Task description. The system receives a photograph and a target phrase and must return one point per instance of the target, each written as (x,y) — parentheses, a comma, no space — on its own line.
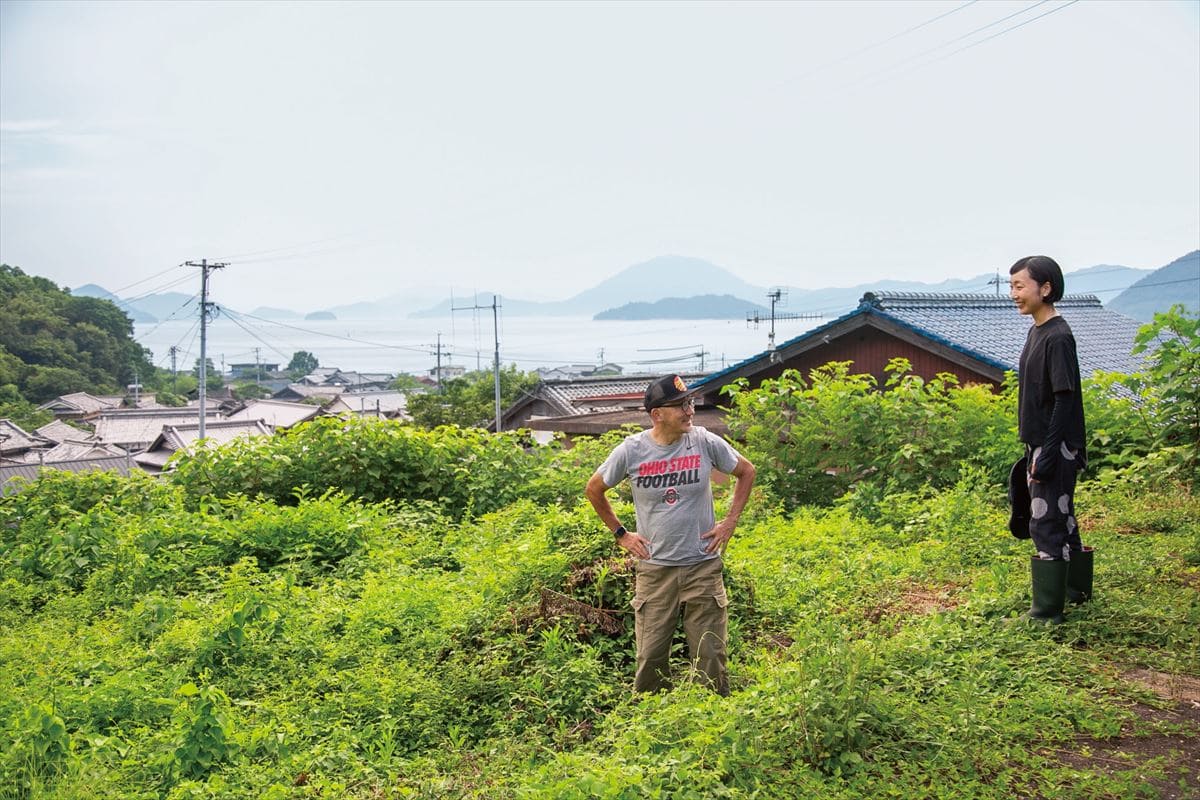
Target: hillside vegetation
(365,609)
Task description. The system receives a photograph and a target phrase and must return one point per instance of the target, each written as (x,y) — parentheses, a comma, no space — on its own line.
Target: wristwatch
(619,532)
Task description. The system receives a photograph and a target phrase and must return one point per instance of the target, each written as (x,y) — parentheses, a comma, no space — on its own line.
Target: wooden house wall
(870,349)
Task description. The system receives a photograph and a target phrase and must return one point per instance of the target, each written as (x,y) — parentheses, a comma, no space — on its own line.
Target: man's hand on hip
(636,544)
(718,538)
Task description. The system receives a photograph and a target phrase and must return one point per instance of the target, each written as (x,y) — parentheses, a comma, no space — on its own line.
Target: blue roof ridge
(887,299)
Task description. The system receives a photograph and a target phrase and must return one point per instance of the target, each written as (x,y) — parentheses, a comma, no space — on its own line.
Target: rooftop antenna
(777,296)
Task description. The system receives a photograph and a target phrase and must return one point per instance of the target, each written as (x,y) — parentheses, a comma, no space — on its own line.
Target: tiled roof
(983,327)
(179,437)
(136,429)
(77,450)
(277,413)
(12,478)
(13,439)
(990,329)
(59,431)
(82,402)
(590,395)
(387,403)
(305,390)
(604,421)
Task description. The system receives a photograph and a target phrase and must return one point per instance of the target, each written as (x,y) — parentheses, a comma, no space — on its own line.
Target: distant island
(704,306)
(320,315)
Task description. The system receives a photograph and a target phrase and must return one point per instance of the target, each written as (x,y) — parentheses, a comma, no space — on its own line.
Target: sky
(332,153)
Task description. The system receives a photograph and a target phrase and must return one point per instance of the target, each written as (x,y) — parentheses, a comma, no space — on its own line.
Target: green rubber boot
(1049,579)
(1079,576)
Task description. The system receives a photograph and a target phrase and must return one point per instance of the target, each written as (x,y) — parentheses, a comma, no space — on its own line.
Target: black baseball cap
(666,391)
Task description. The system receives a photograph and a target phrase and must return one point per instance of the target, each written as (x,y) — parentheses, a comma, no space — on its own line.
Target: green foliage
(470,401)
(302,363)
(366,609)
(164,398)
(249,390)
(405,382)
(212,377)
(36,747)
(53,343)
(464,470)
(815,440)
(204,742)
(23,413)
(1173,388)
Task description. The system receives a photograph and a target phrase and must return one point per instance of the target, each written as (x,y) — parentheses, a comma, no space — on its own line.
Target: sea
(412,345)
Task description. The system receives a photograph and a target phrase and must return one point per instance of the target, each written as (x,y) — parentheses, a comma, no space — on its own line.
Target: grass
(870,658)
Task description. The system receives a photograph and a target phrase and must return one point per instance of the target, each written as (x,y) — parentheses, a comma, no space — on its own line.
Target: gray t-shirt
(672,493)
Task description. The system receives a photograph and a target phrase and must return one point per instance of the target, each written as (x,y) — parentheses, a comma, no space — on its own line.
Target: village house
(975,337)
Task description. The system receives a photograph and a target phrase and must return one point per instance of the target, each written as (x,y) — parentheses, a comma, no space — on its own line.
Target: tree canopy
(469,401)
(53,343)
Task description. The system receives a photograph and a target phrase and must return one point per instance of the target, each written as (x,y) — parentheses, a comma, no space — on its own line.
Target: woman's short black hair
(1043,269)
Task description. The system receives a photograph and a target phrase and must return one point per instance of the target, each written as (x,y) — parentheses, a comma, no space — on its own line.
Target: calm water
(406,345)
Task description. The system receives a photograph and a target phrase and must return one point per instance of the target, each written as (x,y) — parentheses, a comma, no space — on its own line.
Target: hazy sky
(341,152)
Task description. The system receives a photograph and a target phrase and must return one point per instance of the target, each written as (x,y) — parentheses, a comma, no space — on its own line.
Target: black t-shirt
(1049,365)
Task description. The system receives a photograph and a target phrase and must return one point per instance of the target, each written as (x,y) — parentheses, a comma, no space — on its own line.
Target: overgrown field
(365,610)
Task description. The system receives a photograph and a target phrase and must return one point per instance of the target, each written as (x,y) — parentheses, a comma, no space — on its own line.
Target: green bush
(814,440)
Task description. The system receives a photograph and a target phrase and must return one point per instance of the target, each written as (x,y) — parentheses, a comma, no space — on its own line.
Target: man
(1051,425)
(678,542)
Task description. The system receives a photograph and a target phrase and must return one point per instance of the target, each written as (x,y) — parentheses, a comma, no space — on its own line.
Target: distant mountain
(646,282)
(1177,282)
(665,276)
(705,306)
(134,313)
(151,308)
(835,301)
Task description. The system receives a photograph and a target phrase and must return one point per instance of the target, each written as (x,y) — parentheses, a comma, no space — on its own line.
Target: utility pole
(996,282)
(496,339)
(257,368)
(437,375)
(205,268)
(174,351)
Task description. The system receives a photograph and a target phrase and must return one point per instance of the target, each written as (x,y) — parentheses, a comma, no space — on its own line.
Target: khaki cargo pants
(659,592)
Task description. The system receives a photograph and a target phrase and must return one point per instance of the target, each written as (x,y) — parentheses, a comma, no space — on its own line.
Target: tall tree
(302,363)
(65,343)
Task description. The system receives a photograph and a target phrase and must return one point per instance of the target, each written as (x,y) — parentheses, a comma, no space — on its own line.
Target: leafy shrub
(35,746)
(814,440)
(464,470)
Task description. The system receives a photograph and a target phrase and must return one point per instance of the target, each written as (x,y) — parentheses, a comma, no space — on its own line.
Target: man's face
(677,417)
(1026,292)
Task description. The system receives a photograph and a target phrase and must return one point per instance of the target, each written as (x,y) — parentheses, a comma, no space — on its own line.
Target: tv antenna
(777,297)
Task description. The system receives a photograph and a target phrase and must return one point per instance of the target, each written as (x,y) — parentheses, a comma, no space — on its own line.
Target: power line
(1001,33)
(412,348)
(190,300)
(144,280)
(882,42)
(924,53)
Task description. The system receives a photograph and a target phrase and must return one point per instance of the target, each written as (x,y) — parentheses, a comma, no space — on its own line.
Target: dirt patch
(915,601)
(1174,756)
(1177,760)
(1183,689)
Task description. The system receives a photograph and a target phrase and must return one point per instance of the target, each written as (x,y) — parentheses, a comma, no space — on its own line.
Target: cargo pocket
(721,599)
(638,618)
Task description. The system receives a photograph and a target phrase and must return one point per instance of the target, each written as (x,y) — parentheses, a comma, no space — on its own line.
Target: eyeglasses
(686,405)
